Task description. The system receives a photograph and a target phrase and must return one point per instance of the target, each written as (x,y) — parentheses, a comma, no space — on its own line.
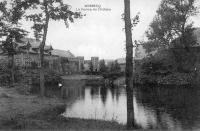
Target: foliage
(10,30)
(82,67)
(173,65)
(102,66)
(134,21)
(51,77)
(54,10)
(46,64)
(64,60)
(91,67)
(34,65)
(189,39)
(182,57)
(44,11)
(160,64)
(171,22)
(115,67)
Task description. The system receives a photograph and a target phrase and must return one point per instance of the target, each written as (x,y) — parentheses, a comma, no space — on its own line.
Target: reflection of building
(95,63)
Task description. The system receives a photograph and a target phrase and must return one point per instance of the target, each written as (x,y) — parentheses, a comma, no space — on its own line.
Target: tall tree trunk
(42,80)
(12,70)
(129,65)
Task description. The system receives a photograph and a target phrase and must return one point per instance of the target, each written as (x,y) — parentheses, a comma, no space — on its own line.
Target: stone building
(80,63)
(28,55)
(95,63)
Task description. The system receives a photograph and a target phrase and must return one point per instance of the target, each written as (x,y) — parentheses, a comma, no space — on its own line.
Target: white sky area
(100,33)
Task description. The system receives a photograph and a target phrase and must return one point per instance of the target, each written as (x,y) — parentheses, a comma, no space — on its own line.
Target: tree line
(171,40)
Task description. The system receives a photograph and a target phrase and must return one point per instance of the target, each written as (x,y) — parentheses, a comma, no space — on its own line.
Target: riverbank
(20,111)
(82,77)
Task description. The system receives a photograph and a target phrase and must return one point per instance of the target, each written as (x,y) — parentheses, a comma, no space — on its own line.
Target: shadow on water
(175,108)
(73,90)
(179,105)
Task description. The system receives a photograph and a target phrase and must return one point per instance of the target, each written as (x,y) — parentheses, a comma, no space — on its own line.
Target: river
(176,108)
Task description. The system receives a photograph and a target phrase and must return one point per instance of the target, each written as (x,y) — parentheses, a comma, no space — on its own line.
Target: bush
(51,78)
(164,68)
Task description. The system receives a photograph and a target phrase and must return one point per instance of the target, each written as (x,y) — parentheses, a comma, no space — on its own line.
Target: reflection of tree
(103,93)
(73,89)
(181,104)
(112,89)
(117,94)
(94,91)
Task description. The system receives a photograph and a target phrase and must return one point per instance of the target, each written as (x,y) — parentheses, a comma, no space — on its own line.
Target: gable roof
(62,53)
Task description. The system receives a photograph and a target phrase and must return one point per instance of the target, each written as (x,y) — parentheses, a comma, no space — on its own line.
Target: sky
(100,33)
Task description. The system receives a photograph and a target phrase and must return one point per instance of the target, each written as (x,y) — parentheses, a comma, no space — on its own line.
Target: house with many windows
(28,55)
(95,63)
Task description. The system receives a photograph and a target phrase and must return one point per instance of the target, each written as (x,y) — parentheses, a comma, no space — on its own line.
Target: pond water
(176,108)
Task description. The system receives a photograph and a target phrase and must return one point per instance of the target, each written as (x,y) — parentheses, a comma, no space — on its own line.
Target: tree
(171,27)
(115,67)
(10,30)
(170,23)
(48,10)
(63,62)
(91,67)
(82,67)
(129,62)
(102,66)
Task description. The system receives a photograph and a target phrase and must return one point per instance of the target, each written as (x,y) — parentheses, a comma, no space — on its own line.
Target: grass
(30,112)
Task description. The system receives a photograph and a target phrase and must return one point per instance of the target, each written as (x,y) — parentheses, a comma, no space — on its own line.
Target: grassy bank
(19,111)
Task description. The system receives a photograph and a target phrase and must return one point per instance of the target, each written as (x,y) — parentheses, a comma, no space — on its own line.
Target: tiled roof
(62,53)
(34,45)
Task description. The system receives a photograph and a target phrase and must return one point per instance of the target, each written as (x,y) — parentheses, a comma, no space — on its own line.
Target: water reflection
(154,108)
(174,106)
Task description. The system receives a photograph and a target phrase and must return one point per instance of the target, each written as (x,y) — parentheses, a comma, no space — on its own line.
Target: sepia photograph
(100,65)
